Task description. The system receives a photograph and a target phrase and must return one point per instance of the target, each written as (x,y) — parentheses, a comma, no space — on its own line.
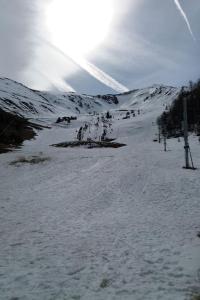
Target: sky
(99,46)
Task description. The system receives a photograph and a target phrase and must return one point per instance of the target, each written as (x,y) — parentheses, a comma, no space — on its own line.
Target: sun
(78,26)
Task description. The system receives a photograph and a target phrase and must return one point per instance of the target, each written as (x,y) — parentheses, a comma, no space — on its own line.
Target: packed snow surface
(100,224)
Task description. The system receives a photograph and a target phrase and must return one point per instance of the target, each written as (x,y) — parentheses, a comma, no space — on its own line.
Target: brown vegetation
(14,130)
(90,144)
(29,160)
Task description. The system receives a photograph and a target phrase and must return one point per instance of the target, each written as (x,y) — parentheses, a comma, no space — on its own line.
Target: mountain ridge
(19,99)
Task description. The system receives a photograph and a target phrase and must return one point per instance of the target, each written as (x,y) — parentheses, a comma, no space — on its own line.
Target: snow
(124,217)
(17,98)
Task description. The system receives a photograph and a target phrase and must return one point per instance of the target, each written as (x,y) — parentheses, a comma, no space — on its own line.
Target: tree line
(170,122)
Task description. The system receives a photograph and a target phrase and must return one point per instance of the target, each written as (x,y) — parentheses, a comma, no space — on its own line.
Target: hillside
(17,98)
(99,223)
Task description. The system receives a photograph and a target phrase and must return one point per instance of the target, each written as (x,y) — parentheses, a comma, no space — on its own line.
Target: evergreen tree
(171,120)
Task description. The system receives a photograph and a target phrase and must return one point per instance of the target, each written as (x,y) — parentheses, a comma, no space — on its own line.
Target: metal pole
(159,134)
(185,127)
(165,143)
(191,160)
(165,138)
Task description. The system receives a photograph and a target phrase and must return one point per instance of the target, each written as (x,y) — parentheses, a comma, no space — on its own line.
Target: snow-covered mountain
(15,97)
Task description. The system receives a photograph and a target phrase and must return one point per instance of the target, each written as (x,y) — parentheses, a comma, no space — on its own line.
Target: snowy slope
(154,95)
(96,224)
(15,97)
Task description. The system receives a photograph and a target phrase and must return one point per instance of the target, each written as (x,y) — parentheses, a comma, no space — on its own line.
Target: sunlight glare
(78,26)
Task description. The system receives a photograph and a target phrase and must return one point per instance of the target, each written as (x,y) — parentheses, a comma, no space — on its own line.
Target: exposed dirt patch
(90,144)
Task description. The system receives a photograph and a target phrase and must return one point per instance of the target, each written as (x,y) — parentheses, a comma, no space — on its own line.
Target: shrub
(29,160)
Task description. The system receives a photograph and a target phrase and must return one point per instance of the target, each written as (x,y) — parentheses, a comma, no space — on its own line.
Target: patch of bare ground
(90,144)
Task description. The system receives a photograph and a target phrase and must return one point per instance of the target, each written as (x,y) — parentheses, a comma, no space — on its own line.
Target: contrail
(91,69)
(101,75)
(179,7)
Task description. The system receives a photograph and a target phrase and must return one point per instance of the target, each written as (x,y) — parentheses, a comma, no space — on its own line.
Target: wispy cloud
(133,51)
(16,32)
(57,84)
(93,70)
(179,7)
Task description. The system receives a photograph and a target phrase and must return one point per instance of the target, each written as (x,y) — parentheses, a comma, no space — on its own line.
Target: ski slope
(101,223)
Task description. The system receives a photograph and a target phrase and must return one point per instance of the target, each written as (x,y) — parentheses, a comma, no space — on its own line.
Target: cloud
(146,48)
(17,21)
(142,47)
(68,67)
(49,68)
